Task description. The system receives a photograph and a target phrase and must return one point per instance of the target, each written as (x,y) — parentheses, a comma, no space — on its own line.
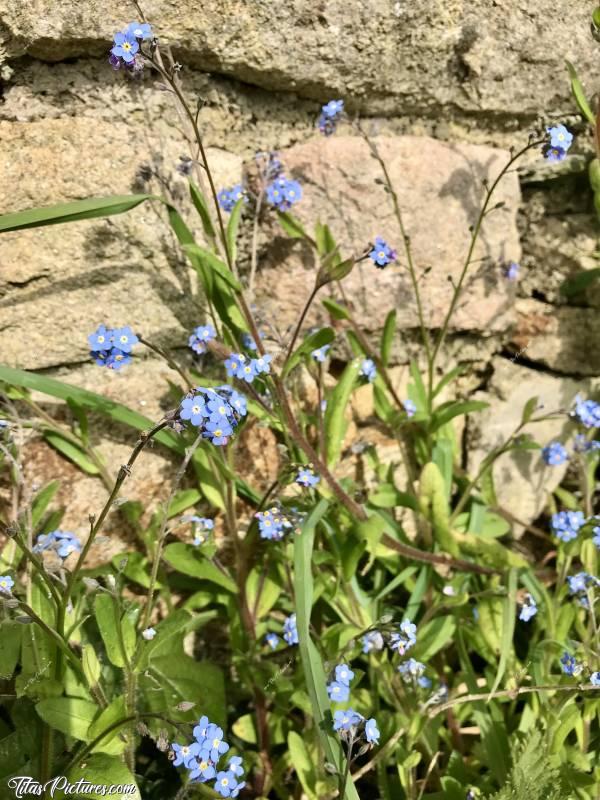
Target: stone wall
(447,86)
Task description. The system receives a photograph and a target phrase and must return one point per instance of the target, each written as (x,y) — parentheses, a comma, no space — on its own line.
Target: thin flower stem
(307,306)
(254,250)
(168,359)
(512,694)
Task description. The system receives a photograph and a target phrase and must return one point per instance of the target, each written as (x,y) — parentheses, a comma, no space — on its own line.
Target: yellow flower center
(100,339)
(195,409)
(126,46)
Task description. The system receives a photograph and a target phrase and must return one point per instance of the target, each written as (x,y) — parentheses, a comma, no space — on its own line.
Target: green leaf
(94,402)
(449,377)
(201,206)
(314,672)
(41,502)
(433,501)
(416,390)
(579,95)
(71,212)
(10,647)
(210,484)
(103,770)
(528,409)
(312,342)
(71,451)
(112,743)
(445,413)
(335,413)
(579,282)
(187,559)
(107,617)
(269,592)
(69,715)
(387,338)
(291,225)
(334,270)
(92,668)
(335,309)
(301,761)
(433,636)
(213,262)
(509,616)
(324,239)
(233,225)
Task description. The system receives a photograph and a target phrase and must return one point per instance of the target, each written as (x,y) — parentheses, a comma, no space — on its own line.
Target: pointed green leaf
(71,451)
(335,412)
(189,560)
(69,715)
(387,339)
(201,207)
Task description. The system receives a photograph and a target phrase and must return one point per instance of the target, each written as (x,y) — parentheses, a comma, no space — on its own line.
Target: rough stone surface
(383,54)
(522,479)
(440,188)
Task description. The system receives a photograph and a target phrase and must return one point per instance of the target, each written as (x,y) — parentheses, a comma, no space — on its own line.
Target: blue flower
(290,631)
(117,359)
(273,523)
(528,609)
(125,46)
(410,408)
(201,335)
(283,193)
(292,191)
(581,444)
(214,744)
(226,784)
(578,583)
(587,412)
(411,669)
(201,769)
(235,765)
(184,753)
(306,477)
(234,364)
(382,254)
(62,542)
(566,524)
(595,678)
(560,137)
(194,410)
(424,682)
(272,640)
(101,339)
(236,400)
(148,634)
(344,720)
(139,30)
(338,692)
(372,640)
(320,354)
(218,430)
(343,674)
(124,339)
(403,641)
(555,154)
(368,370)
(330,114)
(262,364)
(569,665)
(6,584)
(596,536)
(247,371)
(237,192)
(226,201)
(371,731)
(201,730)
(555,454)
(511,271)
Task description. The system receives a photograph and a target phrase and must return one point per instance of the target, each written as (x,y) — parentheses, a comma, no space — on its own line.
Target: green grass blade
(509,616)
(71,212)
(314,671)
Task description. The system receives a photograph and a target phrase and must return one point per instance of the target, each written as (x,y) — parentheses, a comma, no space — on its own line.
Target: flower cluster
(202,526)
(6,584)
(587,412)
(578,586)
(560,139)
(339,689)
(244,369)
(570,665)
(368,370)
(350,724)
(290,631)
(229,197)
(330,115)
(555,454)
(307,477)
(581,444)
(62,542)
(215,411)
(111,347)
(283,193)
(382,254)
(566,524)
(200,338)
(274,523)
(528,609)
(202,756)
(413,671)
(125,51)
(407,638)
